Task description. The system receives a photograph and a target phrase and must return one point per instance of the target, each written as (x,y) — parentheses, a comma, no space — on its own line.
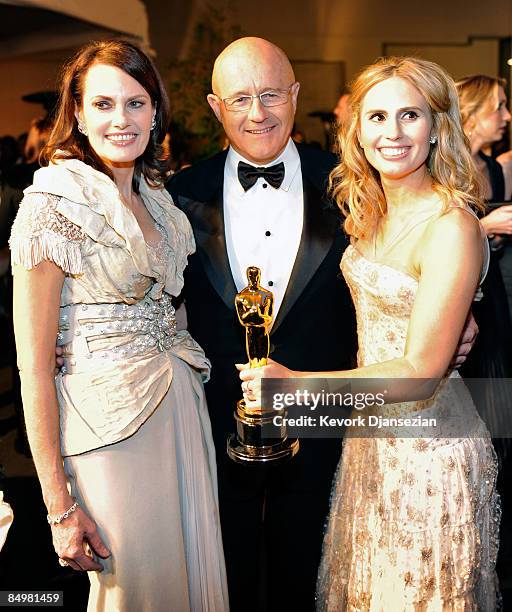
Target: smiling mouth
(262,131)
(121,138)
(394,152)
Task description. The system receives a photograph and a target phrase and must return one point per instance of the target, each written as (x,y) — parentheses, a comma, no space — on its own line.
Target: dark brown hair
(67,142)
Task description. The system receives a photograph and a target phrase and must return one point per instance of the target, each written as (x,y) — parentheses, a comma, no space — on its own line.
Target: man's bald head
(251,53)
(249,67)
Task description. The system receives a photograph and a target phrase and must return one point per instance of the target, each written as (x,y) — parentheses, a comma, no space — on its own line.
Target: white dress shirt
(263,225)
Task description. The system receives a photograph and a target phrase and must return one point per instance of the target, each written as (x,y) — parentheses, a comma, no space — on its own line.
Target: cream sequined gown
(134,426)
(414,522)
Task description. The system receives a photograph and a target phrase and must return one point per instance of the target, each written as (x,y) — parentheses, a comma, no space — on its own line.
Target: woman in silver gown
(414,520)
(121,437)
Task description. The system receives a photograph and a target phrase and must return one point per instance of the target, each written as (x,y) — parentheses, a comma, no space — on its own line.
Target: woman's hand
(251,380)
(72,539)
(498,221)
(59,360)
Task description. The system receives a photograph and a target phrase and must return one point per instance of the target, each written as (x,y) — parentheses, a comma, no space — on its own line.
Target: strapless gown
(414,522)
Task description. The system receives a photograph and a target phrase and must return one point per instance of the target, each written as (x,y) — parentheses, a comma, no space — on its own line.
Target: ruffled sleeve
(41,232)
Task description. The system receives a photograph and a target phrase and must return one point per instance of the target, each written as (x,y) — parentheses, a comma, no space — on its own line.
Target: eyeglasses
(269,98)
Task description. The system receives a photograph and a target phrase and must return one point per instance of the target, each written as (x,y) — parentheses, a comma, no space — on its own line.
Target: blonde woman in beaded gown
(121,437)
(414,522)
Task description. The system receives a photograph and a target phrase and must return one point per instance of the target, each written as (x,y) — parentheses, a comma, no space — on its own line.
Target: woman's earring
(81,128)
(433,139)
(153,123)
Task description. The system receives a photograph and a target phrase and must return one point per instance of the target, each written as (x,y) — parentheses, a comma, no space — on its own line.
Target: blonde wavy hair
(476,92)
(355,184)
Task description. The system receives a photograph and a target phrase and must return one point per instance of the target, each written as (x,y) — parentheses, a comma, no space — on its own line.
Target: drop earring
(81,128)
(433,140)
(153,123)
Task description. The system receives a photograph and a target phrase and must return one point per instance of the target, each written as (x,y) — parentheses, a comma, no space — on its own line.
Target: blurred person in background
(17,178)
(297,135)
(9,153)
(20,175)
(341,114)
(37,138)
(505,160)
(485,117)
(341,111)
(176,147)
(21,141)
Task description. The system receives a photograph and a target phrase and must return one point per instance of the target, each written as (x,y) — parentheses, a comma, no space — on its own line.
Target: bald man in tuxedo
(263,203)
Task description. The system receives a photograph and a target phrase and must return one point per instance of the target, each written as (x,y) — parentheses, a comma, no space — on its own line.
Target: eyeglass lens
(272,97)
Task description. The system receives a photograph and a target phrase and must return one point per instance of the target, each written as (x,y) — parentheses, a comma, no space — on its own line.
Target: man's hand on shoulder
(466,342)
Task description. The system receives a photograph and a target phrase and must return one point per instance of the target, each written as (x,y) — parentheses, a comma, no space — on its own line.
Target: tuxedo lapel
(207,219)
(199,192)
(319,228)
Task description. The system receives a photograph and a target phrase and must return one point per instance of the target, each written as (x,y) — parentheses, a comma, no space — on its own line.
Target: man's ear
(214,103)
(294,92)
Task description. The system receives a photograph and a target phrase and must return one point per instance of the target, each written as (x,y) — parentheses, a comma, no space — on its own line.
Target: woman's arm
(498,221)
(450,263)
(505,160)
(36,312)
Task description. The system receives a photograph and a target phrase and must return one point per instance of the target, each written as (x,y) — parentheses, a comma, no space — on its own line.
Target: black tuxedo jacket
(315,327)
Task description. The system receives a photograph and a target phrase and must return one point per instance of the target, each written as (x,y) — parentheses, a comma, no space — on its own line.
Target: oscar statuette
(254,306)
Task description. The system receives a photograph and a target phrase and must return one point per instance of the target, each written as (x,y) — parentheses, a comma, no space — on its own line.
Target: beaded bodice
(383,299)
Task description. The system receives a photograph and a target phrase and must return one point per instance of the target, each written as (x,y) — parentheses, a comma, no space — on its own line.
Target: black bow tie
(248,175)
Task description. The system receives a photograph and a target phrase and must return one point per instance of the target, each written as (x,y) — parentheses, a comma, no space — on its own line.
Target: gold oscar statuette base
(249,445)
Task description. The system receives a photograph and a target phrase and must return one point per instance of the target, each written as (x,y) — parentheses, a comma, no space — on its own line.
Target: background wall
(328,41)
(36,36)
(24,75)
(462,36)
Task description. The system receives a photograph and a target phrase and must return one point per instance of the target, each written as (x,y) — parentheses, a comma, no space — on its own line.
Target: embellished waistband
(116,331)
